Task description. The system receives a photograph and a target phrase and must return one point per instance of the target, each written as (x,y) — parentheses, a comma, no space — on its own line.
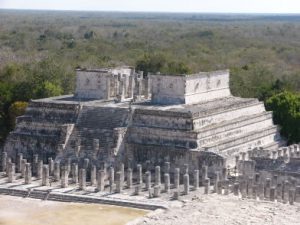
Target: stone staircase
(102,123)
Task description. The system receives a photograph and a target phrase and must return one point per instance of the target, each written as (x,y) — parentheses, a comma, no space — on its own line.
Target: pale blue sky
(235,6)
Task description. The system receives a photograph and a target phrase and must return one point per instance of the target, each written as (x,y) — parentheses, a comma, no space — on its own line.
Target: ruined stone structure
(118,115)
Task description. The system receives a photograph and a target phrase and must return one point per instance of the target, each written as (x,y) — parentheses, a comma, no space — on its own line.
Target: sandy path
(20,211)
(219,210)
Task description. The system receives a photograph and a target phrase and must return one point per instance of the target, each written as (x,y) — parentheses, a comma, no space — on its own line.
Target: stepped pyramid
(120,115)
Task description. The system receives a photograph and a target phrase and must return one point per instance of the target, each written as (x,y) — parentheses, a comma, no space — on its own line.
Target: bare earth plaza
(150,141)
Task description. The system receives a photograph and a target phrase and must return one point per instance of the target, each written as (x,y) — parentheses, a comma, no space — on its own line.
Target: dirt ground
(212,209)
(20,211)
(218,210)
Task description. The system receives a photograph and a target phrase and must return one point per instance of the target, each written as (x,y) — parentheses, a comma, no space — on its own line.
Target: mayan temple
(119,115)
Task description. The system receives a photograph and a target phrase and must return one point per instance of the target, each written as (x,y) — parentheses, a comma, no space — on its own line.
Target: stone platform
(132,118)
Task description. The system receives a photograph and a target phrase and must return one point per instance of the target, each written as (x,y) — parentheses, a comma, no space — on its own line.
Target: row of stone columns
(267,189)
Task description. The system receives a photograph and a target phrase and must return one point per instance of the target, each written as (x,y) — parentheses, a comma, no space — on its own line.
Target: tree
(286,111)
(159,63)
(15,110)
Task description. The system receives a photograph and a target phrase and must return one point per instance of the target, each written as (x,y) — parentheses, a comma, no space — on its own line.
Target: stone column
(297,194)
(196,179)
(177,178)
(157,176)
(206,186)
(224,173)
(45,176)
(186,183)
(122,170)
(82,179)
(147,87)
(291,196)
(236,189)
(119,184)
(285,191)
(219,187)
(254,192)
(108,87)
(51,166)
(57,171)
(148,180)
(19,162)
(139,89)
(3,161)
(279,192)
(250,187)
(260,190)
(23,162)
(74,171)
(139,174)
(39,172)
(93,175)
(131,87)
(167,182)
(129,178)
(111,175)
(272,194)
(28,174)
(237,159)
(11,172)
(176,195)
(69,163)
(65,177)
(101,180)
(35,162)
(8,161)
(137,190)
(217,179)
(267,189)
(156,193)
(204,173)
(257,178)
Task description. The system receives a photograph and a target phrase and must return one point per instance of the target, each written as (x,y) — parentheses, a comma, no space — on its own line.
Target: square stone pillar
(100,180)
(82,179)
(45,176)
(108,81)
(74,172)
(57,171)
(11,172)
(28,174)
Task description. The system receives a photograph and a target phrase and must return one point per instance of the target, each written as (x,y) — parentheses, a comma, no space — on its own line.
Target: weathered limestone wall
(206,86)
(168,89)
(190,89)
(91,84)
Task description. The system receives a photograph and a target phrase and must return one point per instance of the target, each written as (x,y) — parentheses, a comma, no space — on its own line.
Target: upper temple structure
(119,115)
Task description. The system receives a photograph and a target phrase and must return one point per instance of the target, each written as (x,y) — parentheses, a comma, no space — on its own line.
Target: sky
(205,6)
